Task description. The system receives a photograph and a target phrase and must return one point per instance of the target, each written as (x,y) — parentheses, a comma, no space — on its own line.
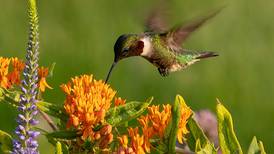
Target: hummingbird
(162,47)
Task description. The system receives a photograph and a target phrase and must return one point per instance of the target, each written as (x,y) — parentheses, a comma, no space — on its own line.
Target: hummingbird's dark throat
(110,70)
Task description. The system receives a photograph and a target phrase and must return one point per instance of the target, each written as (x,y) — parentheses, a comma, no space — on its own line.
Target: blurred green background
(79,36)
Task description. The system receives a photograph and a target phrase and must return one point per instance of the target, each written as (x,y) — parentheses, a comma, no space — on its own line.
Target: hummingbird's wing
(176,36)
(156,19)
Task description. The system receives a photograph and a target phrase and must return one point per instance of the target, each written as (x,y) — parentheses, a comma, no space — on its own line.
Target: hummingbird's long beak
(110,70)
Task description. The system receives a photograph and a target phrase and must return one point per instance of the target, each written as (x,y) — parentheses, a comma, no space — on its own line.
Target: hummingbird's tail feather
(202,55)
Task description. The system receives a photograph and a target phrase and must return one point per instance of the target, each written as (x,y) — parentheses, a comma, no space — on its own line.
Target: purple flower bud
(33,122)
(21,108)
(21,128)
(34,113)
(21,117)
(24,90)
(23,98)
(22,137)
(17,132)
(33,134)
(33,107)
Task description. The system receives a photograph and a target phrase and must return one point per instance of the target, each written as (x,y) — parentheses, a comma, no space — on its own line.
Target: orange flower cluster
(87,101)
(153,125)
(8,79)
(137,142)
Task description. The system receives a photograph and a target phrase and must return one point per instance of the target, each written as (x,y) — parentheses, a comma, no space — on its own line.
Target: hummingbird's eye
(125,49)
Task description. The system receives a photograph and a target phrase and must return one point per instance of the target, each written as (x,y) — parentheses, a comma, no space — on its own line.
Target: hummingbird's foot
(163,71)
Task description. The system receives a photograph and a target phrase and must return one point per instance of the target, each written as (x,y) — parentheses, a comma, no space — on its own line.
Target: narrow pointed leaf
(51,69)
(167,131)
(176,115)
(158,146)
(227,137)
(5,143)
(195,134)
(197,140)
(261,146)
(256,147)
(64,134)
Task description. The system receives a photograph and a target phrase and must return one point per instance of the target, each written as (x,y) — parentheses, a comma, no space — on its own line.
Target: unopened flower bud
(106,130)
(97,136)
(105,141)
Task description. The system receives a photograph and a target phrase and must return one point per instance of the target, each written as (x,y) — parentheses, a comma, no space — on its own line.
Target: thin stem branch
(49,120)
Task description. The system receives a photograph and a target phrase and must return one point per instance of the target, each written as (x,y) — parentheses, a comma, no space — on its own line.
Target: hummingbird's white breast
(147,50)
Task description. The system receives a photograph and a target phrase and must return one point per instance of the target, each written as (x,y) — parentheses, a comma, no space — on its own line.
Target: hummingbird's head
(128,45)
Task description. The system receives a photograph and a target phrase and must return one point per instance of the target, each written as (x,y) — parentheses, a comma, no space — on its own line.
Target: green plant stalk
(176,116)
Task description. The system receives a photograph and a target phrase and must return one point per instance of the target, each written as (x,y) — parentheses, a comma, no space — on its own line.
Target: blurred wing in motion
(177,35)
(156,19)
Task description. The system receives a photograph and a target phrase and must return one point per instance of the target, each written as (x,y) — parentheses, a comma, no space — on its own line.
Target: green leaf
(5,143)
(51,69)
(58,148)
(64,134)
(176,116)
(227,138)
(207,149)
(124,113)
(256,147)
(158,147)
(2,96)
(261,147)
(128,106)
(53,110)
(167,132)
(10,96)
(195,135)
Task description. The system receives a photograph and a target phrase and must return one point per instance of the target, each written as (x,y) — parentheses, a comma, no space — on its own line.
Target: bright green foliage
(121,114)
(196,139)
(5,142)
(10,96)
(227,137)
(207,149)
(176,115)
(58,148)
(63,134)
(160,147)
(256,147)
